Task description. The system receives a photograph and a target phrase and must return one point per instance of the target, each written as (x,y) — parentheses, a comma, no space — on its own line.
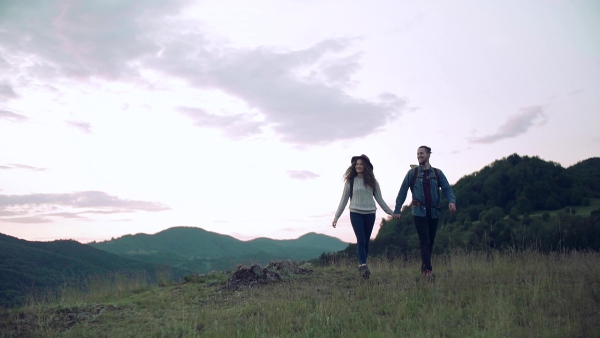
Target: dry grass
(474,295)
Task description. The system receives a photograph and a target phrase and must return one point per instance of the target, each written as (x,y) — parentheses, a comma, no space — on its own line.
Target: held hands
(396,216)
(452,207)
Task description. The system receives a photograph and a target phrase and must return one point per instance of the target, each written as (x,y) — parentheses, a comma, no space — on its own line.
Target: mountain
(37,266)
(199,251)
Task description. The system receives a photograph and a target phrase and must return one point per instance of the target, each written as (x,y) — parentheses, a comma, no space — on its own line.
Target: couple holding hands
(362,189)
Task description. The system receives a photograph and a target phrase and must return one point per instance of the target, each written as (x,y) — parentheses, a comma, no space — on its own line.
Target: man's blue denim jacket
(419,195)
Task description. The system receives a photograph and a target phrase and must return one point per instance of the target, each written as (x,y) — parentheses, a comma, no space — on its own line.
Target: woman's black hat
(364,158)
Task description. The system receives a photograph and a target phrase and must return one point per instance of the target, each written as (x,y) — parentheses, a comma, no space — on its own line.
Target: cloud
(84,127)
(80,39)
(42,206)
(302,174)
(234,126)
(300,109)
(20,166)
(27,220)
(10,116)
(6,90)
(301,95)
(516,125)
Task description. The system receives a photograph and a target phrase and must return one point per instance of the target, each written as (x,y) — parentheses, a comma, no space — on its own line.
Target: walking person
(362,189)
(425,182)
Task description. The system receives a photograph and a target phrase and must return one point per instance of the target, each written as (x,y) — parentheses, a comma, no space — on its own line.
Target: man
(425,182)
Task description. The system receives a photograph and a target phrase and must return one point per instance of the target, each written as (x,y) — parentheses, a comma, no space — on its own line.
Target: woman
(360,187)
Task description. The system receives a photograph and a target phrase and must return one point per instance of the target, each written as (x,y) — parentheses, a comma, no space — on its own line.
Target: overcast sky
(238,117)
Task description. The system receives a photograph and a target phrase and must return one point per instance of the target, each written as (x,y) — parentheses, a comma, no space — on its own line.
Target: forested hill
(200,251)
(526,184)
(515,202)
(26,265)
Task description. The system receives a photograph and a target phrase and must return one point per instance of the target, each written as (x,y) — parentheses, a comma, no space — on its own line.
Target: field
(514,294)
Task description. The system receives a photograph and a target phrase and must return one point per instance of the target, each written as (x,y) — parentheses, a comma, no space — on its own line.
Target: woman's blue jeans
(363,227)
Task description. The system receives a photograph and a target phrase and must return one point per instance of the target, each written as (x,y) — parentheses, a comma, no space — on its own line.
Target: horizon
(127,117)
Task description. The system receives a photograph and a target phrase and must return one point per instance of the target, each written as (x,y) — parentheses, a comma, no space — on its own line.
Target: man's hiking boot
(364,271)
(428,275)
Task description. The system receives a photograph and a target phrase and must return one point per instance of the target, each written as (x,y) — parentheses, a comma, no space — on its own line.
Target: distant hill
(199,251)
(27,266)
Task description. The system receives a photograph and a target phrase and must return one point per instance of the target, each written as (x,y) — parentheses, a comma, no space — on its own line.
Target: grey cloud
(20,166)
(83,199)
(233,126)
(66,215)
(113,39)
(302,174)
(300,111)
(83,38)
(339,71)
(13,117)
(516,125)
(27,220)
(7,91)
(85,127)
(575,92)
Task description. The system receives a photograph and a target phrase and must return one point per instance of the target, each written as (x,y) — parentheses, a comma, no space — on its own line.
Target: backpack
(416,172)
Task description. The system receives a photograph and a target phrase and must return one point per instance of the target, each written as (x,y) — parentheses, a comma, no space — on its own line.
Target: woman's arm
(343,202)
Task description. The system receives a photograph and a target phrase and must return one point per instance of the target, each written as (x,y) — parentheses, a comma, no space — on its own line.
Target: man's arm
(448,192)
(402,194)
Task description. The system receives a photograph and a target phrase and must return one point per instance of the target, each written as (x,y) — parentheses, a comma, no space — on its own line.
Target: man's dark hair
(426,148)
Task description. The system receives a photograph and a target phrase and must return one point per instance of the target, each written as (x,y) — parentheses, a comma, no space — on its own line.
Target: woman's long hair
(368,176)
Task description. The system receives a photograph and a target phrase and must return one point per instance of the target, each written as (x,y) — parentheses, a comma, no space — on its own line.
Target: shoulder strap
(414,178)
(352,188)
(416,173)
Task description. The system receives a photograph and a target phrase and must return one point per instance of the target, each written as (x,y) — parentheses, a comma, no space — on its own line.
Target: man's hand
(452,207)
(334,223)
(396,216)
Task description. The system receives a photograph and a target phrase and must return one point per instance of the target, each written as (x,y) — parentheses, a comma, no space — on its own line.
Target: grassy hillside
(200,251)
(515,294)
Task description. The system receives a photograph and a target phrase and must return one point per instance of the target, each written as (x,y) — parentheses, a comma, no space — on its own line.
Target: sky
(238,117)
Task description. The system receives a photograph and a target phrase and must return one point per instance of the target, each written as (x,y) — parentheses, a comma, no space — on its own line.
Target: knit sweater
(362,199)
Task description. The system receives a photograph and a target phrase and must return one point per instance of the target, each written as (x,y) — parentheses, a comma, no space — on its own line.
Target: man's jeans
(426,229)
(363,226)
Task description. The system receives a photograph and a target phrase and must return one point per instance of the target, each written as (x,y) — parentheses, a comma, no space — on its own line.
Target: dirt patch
(63,319)
(28,323)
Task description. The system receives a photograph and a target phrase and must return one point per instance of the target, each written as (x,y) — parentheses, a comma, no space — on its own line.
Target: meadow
(474,294)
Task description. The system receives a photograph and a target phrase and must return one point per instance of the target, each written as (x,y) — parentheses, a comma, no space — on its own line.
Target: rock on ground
(246,276)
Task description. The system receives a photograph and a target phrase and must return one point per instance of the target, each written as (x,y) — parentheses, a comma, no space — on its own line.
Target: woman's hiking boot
(363,270)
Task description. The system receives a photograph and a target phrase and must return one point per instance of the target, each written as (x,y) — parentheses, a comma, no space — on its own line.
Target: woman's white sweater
(362,199)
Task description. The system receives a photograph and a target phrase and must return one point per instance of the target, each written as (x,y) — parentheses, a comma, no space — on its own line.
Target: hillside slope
(27,266)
